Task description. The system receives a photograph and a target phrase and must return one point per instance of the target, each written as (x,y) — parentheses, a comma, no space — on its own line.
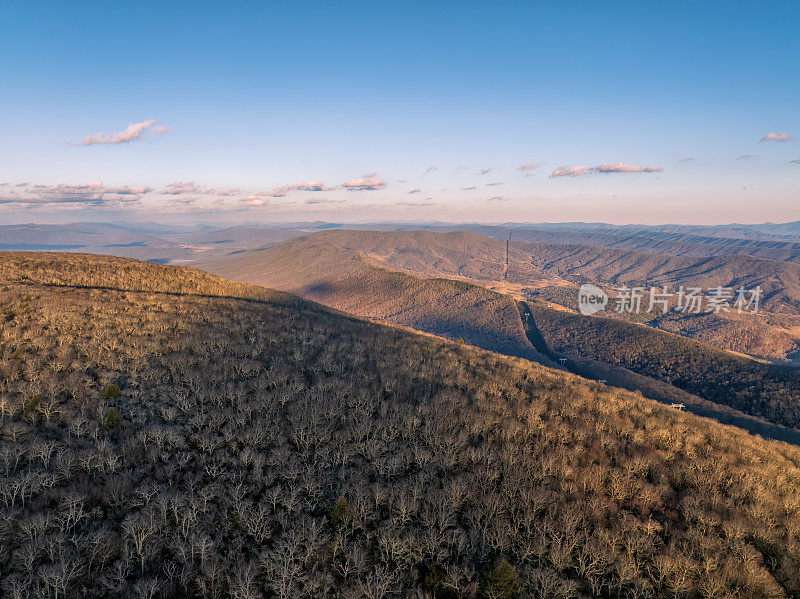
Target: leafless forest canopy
(166,433)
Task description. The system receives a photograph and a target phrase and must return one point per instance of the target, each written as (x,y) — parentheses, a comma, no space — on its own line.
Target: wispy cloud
(485,171)
(430,169)
(415,191)
(470,188)
(132,132)
(529,168)
(315,201)
(795,161)
(191,188)
(779,137)
(687,159)
(278,192)
(605,168)
(314,186)
(415,204)
(497,199)
(745,157)
(494,183)
(254,201)
(364,184)
(283,190)
(180,188)
(622,167)
(569,171)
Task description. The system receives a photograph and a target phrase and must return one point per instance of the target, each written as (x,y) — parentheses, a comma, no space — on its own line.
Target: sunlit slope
(558,269)
(768,391)
(676,240)
(476,256)
(347,280)
(165,429)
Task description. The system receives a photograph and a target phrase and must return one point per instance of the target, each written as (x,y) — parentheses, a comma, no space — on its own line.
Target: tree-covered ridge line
(768,391)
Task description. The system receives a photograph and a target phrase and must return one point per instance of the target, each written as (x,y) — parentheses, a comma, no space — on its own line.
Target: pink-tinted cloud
(569,171)
(622,167)
(497,199)
(180,188)
(415,191)
(283,190)
(494,184)
(254,201)
(190,187)
(415,204)
(315,201)
(779,137)
(364,184)
(470,188)
(278,192)
(529,168)
(132,132)
(431,169)
(313,186)
(125,190)
(235,191)
(94,195)
(605,168)
(485,171)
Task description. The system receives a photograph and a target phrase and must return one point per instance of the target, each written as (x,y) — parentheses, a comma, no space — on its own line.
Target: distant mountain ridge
(477,256)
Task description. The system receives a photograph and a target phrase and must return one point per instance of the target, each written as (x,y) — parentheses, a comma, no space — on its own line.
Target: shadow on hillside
(667,394)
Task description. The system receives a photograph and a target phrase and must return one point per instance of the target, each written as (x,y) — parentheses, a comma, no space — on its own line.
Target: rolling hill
(768,391)
(169,433)
(768,241)
(479,257)
(316,269)
(368,273)
(155,242)
(533,267)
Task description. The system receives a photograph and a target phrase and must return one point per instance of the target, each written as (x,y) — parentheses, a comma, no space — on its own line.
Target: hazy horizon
(196,220)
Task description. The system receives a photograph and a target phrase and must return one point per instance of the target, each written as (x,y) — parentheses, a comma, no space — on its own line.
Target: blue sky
(262,98)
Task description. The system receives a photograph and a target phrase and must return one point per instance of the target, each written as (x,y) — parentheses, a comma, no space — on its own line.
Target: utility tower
(508,243)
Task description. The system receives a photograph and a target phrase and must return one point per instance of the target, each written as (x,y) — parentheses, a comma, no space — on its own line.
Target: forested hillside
(678,240)
(479,257)
(318,270)
(169,434)
(765,390)
(765,335)
(552,271)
